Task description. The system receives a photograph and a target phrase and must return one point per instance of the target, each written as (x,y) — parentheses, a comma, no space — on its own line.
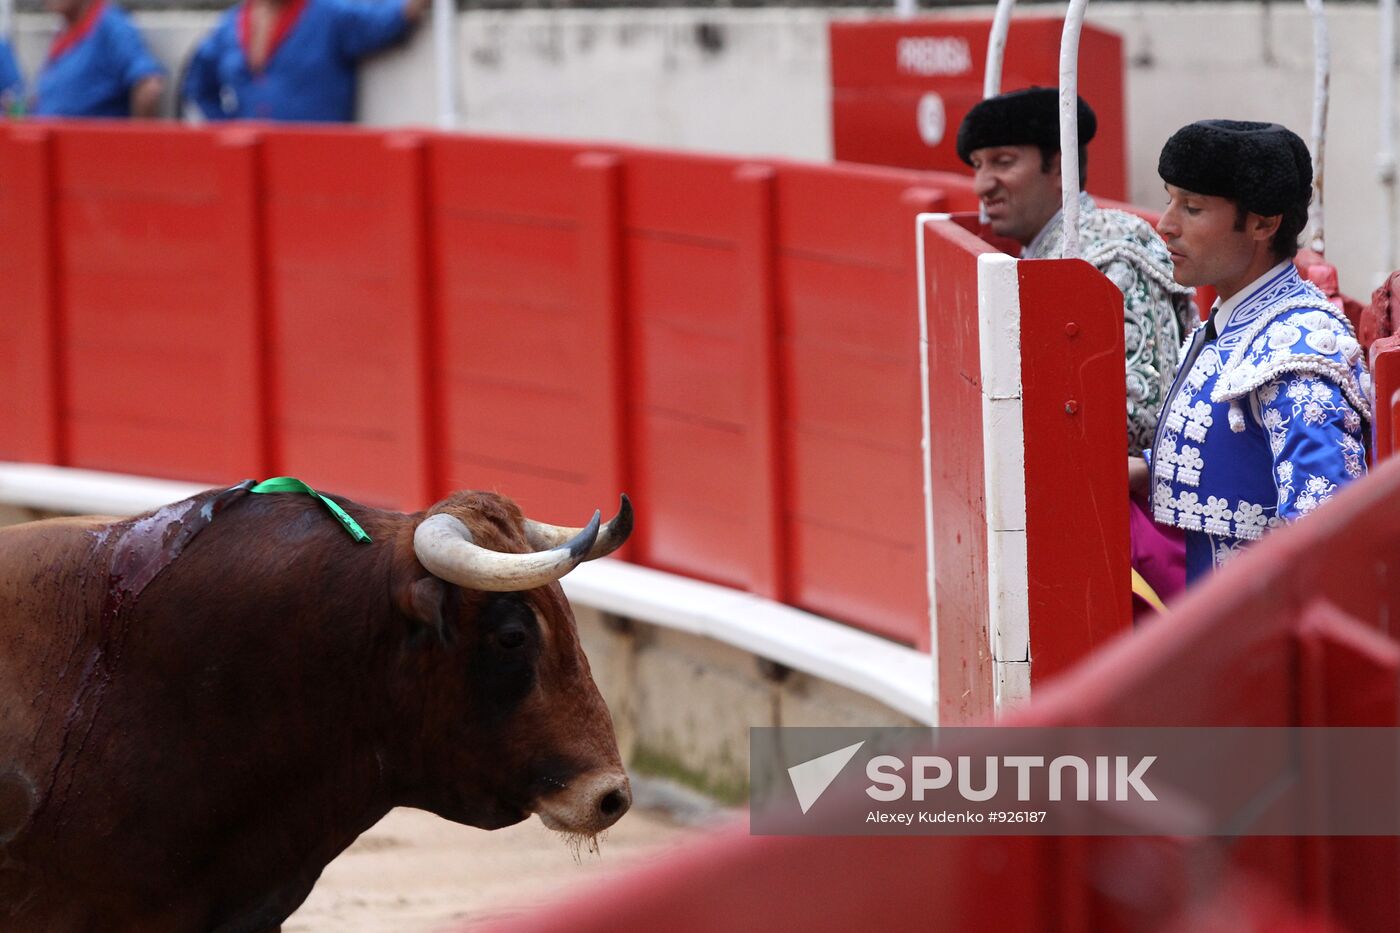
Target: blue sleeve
(367,26)
(11,81)
(1315,437)
(201,84)
(134,61)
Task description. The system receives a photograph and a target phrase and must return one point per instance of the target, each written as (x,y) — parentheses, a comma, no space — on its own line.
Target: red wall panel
(30,375)
(692,413)
(526,323)
(157,275)
(344,222)
(392,316)
(965,667)
(1074,399)
(762,373)
(881,73)
(849,334)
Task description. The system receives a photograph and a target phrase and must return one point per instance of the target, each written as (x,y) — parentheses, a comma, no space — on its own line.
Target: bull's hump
(148,544)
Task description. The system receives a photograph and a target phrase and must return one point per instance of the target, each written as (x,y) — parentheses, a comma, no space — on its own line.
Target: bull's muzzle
(589,804)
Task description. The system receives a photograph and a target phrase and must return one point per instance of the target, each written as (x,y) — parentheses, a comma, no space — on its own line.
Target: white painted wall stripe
(1003,442)
(1069,125)
(87,492)
(1013,680)
(899,677)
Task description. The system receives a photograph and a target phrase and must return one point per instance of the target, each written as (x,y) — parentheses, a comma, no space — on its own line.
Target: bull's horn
(611,537)
(444,546)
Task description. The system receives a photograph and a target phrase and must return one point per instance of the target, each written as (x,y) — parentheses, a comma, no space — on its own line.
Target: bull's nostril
(614,803)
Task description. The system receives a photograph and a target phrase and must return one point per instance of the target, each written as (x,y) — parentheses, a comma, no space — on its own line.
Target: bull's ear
(429,601)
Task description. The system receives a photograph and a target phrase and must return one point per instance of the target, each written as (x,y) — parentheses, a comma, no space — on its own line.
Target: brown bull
(201,707)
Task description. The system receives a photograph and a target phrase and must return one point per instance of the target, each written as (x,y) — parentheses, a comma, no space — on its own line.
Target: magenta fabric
(1158,554)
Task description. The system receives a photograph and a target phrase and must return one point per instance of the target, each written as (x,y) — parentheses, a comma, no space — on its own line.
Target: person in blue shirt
(292,59)
(11,81)
(98,66)
(1268,415)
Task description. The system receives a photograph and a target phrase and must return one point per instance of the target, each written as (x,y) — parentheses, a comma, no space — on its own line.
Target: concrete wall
(755,82)
(683,705)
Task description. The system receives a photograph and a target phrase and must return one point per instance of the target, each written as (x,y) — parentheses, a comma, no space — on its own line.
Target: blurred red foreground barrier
(1295,632)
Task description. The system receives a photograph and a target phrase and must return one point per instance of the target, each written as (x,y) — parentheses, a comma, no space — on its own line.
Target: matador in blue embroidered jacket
(1265,421)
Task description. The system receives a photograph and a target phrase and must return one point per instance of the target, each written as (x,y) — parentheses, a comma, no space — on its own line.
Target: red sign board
(900,89)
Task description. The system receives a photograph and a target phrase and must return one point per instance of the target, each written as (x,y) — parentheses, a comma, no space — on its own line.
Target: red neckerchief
(78,31)
(286,19)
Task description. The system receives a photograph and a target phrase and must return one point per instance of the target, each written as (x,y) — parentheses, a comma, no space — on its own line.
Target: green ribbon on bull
(292,484)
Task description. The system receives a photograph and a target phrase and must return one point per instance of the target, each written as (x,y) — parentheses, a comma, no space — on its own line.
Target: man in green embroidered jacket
(1012,143)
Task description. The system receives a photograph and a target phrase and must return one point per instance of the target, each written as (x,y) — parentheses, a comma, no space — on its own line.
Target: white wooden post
(996,55)
(1069,125)
(1385,156)
(445,61)
(1004,452)
(1322,67)
(996,48)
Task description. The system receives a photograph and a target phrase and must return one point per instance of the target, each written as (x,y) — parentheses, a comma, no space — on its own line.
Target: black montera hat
(1029,117)
(1264,167)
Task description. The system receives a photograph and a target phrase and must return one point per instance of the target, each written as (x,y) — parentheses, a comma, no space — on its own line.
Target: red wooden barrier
(702,403)
(965,669)
(526,323)
(346,286)
(762,372)
(158,289)
(848,320)
(392,316)
(1296,632)
(1076,483)
(900,88)
(971,885)
(1028,398)
(30,371)
(604,391)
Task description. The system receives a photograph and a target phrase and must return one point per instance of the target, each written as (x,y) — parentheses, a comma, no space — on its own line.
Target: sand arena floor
(415,872)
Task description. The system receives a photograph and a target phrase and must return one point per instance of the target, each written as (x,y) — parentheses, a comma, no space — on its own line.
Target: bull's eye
(503,670)
(511,638)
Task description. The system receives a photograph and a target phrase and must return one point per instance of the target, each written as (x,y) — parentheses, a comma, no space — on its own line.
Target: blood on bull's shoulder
(206,704)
